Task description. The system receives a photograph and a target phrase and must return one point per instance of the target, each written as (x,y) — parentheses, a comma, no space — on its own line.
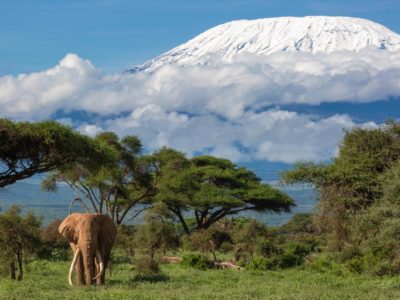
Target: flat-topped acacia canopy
(28,148)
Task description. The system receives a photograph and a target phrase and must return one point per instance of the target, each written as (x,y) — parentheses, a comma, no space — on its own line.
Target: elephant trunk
(88,251)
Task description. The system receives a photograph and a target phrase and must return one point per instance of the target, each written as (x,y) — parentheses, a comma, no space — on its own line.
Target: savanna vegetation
(193,243)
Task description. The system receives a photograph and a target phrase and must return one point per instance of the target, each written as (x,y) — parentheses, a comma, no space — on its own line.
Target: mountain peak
(313,34)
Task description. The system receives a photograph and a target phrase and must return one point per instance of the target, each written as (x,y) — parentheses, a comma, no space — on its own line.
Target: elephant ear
(67,229)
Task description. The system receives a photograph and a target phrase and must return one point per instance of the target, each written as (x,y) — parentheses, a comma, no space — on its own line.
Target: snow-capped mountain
(266,36)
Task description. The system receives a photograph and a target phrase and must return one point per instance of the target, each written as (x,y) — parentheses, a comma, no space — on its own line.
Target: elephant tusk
(71,269)
(101,264)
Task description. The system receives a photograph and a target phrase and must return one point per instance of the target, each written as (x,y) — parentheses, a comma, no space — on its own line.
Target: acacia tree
(114,188)
(30,148)
(19,238)
(350,184)
(211,188)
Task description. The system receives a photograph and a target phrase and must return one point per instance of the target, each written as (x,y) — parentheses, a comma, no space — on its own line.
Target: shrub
(355,265)
(52,238)
(208,241)
(156,234)
(19,239)
(262,264)
(290,260)
(55,246)
(267,248)
(382,268)
(146,266)
(326,264)
(349,253)
(125,240)
(54,254)
(197,261)
(299,223)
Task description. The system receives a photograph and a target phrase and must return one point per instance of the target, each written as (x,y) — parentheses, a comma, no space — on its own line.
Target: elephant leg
(101,279)
(78,266)
(80,271)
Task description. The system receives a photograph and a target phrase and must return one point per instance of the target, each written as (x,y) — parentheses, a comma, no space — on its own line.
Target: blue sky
(72,53)
(113,34)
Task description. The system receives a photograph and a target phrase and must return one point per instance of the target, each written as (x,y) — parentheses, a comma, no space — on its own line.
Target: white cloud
(273,135)
(218,108)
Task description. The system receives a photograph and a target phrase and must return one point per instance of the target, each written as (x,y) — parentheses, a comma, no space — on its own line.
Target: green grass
(48,280)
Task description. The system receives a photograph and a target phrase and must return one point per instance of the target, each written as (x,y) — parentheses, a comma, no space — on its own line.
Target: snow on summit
(313,34)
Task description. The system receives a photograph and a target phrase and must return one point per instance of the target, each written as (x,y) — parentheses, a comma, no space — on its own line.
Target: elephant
(91,237)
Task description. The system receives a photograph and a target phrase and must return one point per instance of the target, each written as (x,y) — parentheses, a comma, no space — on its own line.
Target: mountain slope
(266,36)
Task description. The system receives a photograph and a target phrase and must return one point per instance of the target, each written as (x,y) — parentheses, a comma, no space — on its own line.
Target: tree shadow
(151,278)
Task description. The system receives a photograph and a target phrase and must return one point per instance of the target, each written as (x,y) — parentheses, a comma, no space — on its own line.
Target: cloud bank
(225,109)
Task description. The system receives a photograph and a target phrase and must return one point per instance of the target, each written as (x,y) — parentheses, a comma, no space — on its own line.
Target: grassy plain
(47,280)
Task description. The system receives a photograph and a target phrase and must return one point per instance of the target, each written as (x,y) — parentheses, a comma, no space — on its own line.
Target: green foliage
(54,246)
(19,240)
(116,188)
(260,263)
(299,223)
(212,188)
(197,261)
(351,184)
(156,234)
(268,248)
(125,239)
(306,173)
(51,237)
(290,260)
(208,240)
(146,266)
(355,265)
(326,265)
(377,230)
(29,148)
(247,239)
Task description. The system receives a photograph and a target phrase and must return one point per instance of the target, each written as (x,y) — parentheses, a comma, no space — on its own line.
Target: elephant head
(91,237)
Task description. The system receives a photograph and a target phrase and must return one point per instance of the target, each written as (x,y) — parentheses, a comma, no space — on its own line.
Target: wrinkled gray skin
(88,233)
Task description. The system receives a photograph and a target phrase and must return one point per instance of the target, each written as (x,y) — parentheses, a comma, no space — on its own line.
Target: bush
(146,266)
(55,246)
(267,248)
(125,240)
(262,264)
(325,264)
(355,265)
(290,260)
(299,223)
(20,239)
(53,254)
(155,235)
(208,241)
(52,238)
(382,268)
(197,261)
(349,253)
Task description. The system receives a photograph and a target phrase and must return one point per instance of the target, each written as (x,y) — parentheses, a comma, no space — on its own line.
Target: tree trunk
(12,271)
(182,220)
(20,268)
